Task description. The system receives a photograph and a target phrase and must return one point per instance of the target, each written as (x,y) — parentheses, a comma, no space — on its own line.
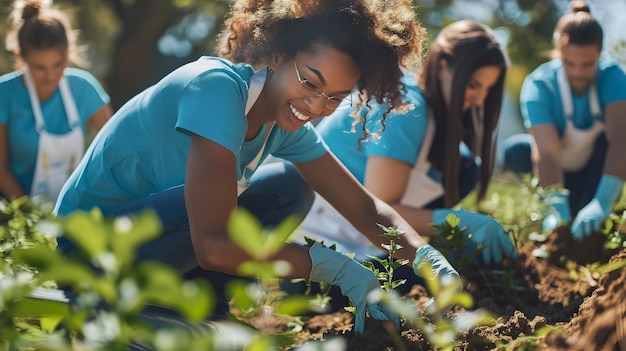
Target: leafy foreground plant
(111,289)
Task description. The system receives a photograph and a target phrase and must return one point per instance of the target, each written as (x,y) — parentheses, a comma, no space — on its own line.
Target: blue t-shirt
(143,148)
(541,103)
(17,114)
(402,138)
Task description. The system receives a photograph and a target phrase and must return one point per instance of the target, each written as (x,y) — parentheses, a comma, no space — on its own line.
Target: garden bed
(581,310)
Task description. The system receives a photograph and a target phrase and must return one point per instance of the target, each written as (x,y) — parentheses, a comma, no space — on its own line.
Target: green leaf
(128,234)
(88,231)
(246,232)
(452,220)
(161,284)
(293,305)
(237,290)
(277,238)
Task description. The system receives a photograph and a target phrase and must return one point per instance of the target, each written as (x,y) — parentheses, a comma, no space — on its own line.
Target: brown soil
(582,311)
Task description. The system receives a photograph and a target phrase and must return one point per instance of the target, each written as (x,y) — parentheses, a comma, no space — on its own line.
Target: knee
(300,193)
(517,153)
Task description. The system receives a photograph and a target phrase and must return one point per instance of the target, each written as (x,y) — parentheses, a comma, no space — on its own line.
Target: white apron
(577,145)
(256,85)
(58,154)
(324,223)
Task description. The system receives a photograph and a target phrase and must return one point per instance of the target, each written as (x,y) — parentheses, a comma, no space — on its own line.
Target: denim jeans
(582,184)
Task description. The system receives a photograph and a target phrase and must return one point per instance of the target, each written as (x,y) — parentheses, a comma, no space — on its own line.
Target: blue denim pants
(582,184)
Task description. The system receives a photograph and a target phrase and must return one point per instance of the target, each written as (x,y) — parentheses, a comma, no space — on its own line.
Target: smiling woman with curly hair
(194,140)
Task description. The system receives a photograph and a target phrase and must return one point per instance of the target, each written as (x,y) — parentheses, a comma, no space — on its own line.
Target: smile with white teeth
(297,113)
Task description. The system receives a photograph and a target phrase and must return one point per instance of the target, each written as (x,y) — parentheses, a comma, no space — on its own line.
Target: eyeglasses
(310,89)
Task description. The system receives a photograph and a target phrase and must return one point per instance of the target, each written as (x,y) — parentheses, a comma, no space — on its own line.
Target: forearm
(614,163)
(420,219)
(9,186)
(549,170)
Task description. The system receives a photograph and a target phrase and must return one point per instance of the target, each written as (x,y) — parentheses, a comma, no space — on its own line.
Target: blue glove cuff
(556,197)
(429,255)
(609,189)
(326,263)
(557,200)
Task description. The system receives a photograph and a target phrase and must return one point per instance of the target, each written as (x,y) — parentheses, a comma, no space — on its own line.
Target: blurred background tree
(133,43)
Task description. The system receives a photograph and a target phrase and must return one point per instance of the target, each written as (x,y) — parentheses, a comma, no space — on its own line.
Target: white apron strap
(577,144)
(66,96)
(421,189)
(254,90)
(566,96)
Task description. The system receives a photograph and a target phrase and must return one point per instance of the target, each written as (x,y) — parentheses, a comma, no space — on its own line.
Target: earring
(269,69)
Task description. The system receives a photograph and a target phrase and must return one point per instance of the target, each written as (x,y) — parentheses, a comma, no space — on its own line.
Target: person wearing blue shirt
(189,146)
(573,107)
(431,154)
(45,106)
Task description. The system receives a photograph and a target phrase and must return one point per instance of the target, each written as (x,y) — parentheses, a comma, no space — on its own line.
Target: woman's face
(46,68)
(580,63)
(309,85)
(477,87)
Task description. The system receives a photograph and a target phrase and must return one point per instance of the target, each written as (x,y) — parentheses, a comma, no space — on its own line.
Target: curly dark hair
(381,36)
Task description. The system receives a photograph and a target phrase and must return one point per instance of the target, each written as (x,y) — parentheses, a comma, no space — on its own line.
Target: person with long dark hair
(423,159)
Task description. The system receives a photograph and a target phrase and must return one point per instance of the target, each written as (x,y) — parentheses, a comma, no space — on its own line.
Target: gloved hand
(590,218)
(354,280)
(483,230)
(442,270)
(557,209)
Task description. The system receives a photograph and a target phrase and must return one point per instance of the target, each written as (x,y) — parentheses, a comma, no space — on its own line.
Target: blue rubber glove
(482,230)
(590,218)
(557,209)
(442,270)
(354,280)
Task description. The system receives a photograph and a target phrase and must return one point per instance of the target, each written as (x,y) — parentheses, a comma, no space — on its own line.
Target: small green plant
(452,240)
(590,273)
(21,228)
(615,230)
(388,263)
(442,332)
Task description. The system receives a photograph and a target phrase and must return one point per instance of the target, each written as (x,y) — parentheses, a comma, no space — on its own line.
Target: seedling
(453,241)
(388,263)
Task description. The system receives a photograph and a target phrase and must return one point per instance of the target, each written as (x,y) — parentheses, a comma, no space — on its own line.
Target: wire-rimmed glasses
(310,89)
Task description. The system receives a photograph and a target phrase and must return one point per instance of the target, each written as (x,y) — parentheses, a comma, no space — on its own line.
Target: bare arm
(362,209)
(547,155)
(387,179)
(615,127)
(211,197)
(99,118)
(8,183)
